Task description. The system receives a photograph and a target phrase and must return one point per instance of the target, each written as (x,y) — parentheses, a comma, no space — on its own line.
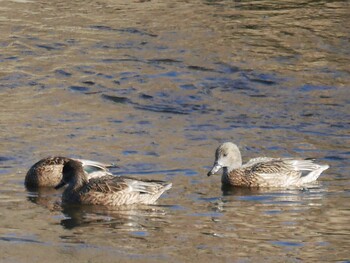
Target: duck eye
(225,154)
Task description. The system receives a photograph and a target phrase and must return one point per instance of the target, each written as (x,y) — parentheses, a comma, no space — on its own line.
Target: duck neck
(225,171)
(78,182)
(235,164)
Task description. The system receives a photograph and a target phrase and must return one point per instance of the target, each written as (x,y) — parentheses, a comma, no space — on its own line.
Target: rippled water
(155,86)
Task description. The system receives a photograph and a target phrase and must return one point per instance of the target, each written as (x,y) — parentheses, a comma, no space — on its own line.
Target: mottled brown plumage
(48,171)
(108,190)
(263,171)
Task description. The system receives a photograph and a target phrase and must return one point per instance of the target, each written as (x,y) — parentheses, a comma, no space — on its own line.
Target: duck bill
(215,169)
(60,185)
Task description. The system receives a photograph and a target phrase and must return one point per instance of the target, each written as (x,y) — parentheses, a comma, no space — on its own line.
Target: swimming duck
(48,171)
(108,191)
(263,171)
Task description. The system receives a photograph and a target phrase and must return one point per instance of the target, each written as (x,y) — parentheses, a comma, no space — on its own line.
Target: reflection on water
(131,219)
(155,87)
(45,197)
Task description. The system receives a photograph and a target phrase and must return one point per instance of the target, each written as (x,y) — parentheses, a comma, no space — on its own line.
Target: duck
(108,191)
(263,171)
(47,172)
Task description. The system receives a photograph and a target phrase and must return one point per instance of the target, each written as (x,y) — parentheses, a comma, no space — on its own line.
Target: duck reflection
(310,195)
(45,197)
(228,190)
(129,218)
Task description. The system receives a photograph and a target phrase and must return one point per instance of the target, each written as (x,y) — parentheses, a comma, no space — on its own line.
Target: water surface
(155,86)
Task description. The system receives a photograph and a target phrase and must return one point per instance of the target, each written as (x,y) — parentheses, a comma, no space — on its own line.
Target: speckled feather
(109,190)
(263,171)
(255,174)
(48,171)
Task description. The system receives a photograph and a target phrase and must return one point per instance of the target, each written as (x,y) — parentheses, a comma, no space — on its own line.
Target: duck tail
(167,186)
(314,173)
(149,187)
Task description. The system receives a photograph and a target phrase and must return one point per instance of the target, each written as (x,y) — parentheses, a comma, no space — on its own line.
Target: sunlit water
(155,86)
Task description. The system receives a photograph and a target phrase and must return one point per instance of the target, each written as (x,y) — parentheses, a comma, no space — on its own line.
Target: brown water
(155,86)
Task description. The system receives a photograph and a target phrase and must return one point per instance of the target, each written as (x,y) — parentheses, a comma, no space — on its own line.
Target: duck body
(108,190)
(48,171)
(263,171)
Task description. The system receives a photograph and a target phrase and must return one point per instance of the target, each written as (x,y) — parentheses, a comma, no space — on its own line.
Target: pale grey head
(227,156)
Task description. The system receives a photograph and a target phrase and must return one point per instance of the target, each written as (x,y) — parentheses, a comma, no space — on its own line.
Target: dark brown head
(73,174)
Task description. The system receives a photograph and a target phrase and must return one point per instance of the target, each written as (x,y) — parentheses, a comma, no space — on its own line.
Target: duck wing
(102,166)
(145,186)
(114,184)
(285,171)
(95,169)
(309,170)
(106,184)
(274,172)
(258,160)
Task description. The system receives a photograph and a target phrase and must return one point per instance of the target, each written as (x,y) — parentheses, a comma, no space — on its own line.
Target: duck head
(228,157)
(73,174)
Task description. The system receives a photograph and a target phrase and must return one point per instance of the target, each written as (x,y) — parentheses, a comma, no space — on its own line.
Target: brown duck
(48,171)
(263,171)
(108,190)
